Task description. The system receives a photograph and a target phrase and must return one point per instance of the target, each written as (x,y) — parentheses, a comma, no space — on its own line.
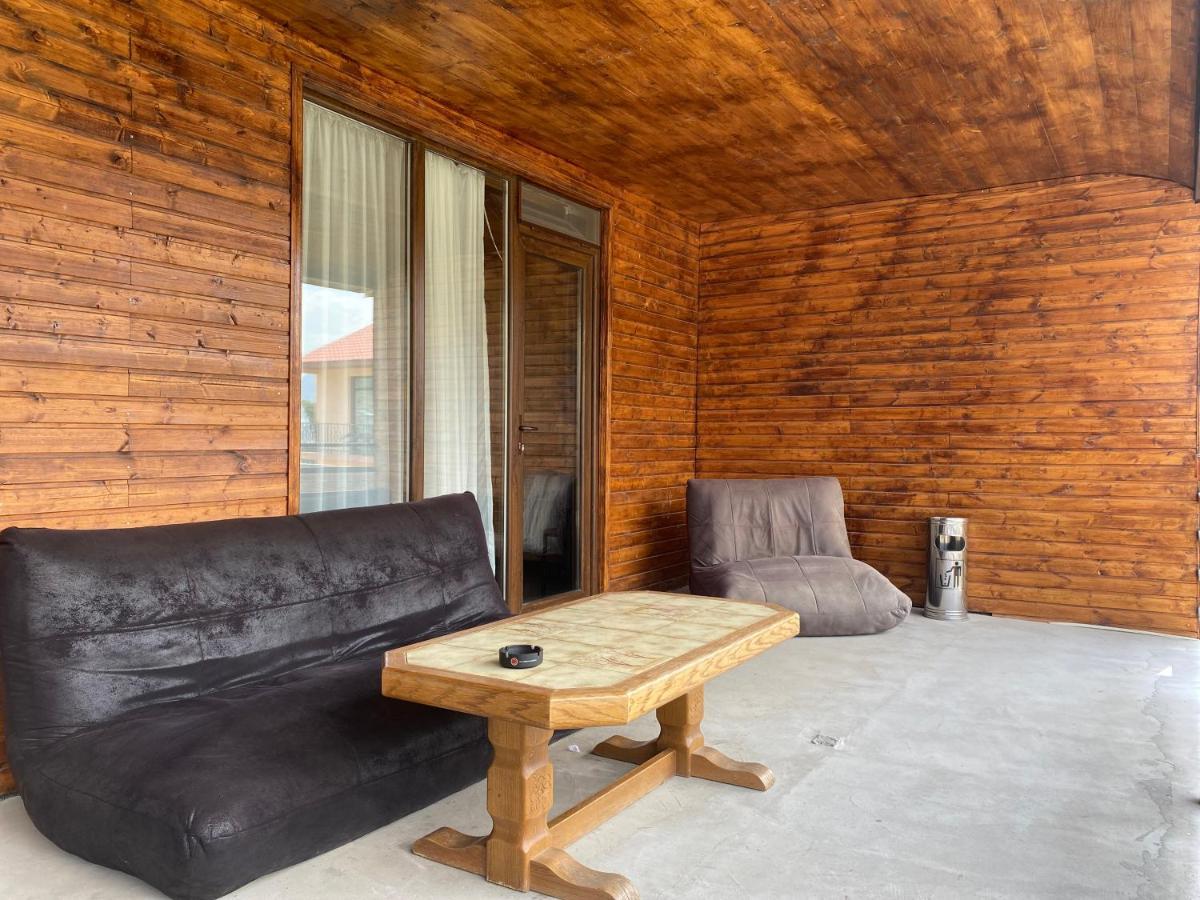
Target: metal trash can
(946,595)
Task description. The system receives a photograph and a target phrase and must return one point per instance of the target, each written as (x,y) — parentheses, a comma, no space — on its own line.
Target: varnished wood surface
(726,107)
(1024,357)
(569,826)
(521,852)
(680,735)
(524,850)
(554,873)
(145,234)
(520,792)
(607,659)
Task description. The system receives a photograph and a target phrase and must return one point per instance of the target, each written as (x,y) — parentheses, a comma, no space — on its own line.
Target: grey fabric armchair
(784,541)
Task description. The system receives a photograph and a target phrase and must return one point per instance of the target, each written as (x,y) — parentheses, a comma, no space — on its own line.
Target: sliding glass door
(417,339)
(402,385)
(552,415)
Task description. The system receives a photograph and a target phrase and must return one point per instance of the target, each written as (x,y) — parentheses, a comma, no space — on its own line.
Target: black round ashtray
(520,656)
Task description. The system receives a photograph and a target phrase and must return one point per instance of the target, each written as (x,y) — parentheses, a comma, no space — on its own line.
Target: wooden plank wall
(1025,357)
(144,266)
(652,399)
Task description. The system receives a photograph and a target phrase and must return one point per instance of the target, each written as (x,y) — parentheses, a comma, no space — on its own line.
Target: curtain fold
(355,322)
(354,314)
(457,383)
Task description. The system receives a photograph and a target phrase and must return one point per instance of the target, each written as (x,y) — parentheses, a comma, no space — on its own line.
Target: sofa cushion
(202,795)
(733,519)
(95,624)
(833,595)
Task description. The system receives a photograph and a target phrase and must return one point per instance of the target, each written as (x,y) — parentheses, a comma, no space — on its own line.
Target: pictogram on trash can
(946,595)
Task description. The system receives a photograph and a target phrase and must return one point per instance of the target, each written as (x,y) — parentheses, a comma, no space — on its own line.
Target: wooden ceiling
(724,107)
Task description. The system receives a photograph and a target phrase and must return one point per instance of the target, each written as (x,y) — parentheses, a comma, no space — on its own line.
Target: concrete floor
(992,758)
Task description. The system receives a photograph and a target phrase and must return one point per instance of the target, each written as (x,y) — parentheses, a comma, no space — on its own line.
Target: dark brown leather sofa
(200,704)
(784,541)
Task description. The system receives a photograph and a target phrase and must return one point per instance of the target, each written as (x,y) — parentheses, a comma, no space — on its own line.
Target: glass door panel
(550,429)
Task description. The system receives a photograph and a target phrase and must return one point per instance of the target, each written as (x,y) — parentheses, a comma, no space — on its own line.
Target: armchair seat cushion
(834,595)
(200,795)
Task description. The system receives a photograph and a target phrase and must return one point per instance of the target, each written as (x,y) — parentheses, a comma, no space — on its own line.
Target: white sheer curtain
(354,314)
(457,403)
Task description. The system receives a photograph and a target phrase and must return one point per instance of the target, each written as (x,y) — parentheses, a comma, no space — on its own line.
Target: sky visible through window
(329,313)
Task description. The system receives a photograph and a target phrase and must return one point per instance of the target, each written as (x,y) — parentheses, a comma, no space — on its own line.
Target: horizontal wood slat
(652,367)
(1025,357)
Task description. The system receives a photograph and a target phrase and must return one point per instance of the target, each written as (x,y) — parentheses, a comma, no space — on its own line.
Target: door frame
(586,257)
(375,106)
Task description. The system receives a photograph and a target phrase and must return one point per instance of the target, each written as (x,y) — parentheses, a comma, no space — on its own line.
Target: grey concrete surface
(992,758)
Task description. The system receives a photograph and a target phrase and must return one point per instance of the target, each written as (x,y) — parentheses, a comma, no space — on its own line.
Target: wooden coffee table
(608,660)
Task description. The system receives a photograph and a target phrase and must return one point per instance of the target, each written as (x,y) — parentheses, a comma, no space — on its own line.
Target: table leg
(679,730)
(520,792)
(521,852)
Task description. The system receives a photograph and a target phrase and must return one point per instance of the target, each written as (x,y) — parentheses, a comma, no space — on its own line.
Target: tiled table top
(595,642)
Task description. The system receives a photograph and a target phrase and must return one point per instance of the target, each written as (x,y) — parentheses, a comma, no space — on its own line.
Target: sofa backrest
(96,623)
(736,519)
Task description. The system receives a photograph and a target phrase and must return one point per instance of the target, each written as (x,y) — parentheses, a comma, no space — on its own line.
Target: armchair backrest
(736,519)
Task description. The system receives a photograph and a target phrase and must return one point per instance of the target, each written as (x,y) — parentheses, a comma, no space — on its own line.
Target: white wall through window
(458,375)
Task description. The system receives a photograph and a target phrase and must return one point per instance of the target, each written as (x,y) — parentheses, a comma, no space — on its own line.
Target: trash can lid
(947,520)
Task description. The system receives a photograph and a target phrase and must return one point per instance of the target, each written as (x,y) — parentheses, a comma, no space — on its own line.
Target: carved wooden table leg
(521,852)
(520,792)
(679,730)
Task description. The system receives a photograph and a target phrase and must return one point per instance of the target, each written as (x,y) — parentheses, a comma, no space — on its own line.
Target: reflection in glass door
(552,418)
